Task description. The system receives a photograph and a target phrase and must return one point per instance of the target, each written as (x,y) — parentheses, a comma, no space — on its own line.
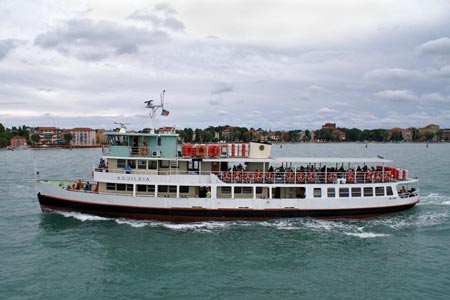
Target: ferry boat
(150,176)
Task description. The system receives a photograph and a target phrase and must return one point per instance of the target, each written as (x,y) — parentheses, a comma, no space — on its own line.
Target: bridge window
(152,164)
(142,164)
(121,163)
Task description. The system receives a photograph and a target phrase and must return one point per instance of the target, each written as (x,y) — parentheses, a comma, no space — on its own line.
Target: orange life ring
(187,150)
(237,176)
(290,177)
(200,150)
(369,176)
(248,176)
(226,177)
(213,150)
(331,177)
(350,176)
(270,177)
(301,177)
(258,177)
(143,151)
(311,177)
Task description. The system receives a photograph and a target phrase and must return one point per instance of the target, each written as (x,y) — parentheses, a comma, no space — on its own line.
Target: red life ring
(187,150)
(311,177)
(290,177)
(143,151)
(369,176)
(258,177)
(331,177)
(213,150)
(237,176)
(270,177)
(350,176)
(301,177)
(226,177)
(248,176)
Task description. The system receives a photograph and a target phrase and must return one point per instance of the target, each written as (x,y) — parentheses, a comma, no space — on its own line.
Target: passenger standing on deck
(208,193)
(127,169)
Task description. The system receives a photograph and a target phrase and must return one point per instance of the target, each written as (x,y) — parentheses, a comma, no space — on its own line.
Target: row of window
(354,192)
(146,188)
(343,192)
(146,164)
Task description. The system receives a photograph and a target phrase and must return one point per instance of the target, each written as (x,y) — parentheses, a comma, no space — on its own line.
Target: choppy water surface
(78,256)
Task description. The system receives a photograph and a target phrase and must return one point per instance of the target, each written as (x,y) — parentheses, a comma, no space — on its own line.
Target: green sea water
(78,256)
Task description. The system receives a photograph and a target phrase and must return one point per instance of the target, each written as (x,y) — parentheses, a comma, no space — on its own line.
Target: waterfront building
(82,136)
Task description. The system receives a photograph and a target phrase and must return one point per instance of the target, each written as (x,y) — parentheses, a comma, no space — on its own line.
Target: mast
(153,109)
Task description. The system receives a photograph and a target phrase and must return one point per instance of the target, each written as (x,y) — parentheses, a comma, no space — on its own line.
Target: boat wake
(434,198)
(426,215)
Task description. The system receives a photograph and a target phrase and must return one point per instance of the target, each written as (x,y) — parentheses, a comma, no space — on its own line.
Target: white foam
(199,227)
(434,198)
(365,235)
(136,223)
(82,217)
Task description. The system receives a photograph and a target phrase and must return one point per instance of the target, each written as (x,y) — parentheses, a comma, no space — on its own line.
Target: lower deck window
(317,192)
(145,188)
(331,192)
(379,191)
(184,189)
(343,192)
(226,190)
(368,192)
(247,190)
(356,192)
(119,187)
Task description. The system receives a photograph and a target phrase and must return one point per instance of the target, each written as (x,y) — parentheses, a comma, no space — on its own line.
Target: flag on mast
(164,113)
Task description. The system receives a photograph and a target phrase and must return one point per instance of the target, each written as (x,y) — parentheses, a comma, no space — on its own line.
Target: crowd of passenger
(79,186)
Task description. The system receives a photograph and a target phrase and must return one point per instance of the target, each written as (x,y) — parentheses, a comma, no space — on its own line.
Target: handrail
(310,177)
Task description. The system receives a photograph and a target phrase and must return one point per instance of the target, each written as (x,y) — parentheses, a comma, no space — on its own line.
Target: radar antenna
(154,109)
(123,128)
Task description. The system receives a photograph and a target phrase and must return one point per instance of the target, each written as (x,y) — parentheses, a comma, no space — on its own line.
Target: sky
(271,64)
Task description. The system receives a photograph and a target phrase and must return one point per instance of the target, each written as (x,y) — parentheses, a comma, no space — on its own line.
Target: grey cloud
(95,40)
(6,46)
(222,88)
(161,17)
(392,74)
(409,96)
(436,47)
(397,95)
